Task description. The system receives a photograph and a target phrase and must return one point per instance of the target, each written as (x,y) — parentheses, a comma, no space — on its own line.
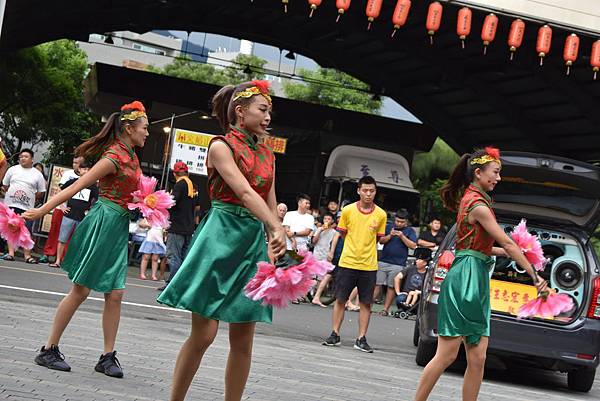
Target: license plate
(508,297)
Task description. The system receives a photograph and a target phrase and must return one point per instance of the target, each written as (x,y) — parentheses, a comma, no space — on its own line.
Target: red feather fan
(262,85)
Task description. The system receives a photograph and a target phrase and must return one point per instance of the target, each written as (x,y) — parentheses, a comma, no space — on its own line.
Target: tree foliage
(243,68)
(334,88)
(42,99)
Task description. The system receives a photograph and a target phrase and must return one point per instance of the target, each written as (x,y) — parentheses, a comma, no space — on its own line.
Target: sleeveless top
(118,187)
(473,236)
(255,160)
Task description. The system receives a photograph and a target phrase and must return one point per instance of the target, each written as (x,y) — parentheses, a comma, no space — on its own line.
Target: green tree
(243,68)
(429,172)
(42,99)
(334,88)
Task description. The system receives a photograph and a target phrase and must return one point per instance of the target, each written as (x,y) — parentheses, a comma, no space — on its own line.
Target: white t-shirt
(67,175)
(23,184)
(298,222)
(323,244)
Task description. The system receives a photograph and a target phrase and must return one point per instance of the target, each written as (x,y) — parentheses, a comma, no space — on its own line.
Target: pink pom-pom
(546,306)
(278,286)
(153,205)
(13,229)
(492,151)
(529,245)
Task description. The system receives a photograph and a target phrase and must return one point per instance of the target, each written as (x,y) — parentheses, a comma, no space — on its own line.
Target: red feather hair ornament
(262,85)
(135,105)
(494,152)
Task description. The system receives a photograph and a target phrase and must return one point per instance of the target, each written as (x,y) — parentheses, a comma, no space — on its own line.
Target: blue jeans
(177,245)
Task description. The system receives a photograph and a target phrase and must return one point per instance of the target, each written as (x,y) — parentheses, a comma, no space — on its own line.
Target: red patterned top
(255,160)
(473,236)
(118,187)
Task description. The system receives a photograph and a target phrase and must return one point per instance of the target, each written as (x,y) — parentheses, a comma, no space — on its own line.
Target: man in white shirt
(299,224)
(23,185)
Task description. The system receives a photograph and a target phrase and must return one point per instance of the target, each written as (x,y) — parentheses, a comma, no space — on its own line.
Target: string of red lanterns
(463,29)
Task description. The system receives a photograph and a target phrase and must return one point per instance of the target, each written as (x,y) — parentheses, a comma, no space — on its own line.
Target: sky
(214,43)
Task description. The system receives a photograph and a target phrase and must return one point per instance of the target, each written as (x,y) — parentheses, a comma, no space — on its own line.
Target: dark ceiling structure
(468,98)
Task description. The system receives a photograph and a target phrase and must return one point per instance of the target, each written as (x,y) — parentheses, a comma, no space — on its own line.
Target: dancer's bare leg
(241,336)
(201,337)
(475,368)
(111,318)
(65,311)
(447,349)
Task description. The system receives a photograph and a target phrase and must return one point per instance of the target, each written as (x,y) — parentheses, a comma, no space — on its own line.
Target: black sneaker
(109,365)
(361,345)
(333,339)
(52,359)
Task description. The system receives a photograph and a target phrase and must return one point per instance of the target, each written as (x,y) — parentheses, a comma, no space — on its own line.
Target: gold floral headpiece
(249,92)
(491,155)
(134,115)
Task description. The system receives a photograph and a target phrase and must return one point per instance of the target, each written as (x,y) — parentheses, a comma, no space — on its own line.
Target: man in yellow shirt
(361,224)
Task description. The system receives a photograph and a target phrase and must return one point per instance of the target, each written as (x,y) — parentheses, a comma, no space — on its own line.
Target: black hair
(85,164)
(368,180)
(402,214)
(329,214)
(27,150)
(302,196)
(434,218)
(333,200)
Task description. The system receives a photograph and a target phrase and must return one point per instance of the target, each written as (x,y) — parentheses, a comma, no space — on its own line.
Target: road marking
(64,274)
(9,287)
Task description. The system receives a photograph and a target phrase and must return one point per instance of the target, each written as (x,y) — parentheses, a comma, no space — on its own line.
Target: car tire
(581,379)
(425,352)
(416,333)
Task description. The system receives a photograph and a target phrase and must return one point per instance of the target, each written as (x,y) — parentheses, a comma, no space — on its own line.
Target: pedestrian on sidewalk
(464,300)
(361,224)
(76,209)
(152,248)
(97,255)
(230,241)
(24,184)
(182,218)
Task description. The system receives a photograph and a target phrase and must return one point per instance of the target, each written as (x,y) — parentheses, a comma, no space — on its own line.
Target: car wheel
(416,333)
(581,379)
(425,352)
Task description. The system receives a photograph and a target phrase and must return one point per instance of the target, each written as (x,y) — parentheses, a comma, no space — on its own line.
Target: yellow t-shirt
(362,231)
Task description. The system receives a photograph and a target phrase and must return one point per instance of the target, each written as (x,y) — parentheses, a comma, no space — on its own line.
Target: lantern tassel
(312,10)
(338,18)
(462,44)
(369,26)
(568,70)
(512,56)
(541,61)
(595,75)
(431,40)
(393,33)
(484,50)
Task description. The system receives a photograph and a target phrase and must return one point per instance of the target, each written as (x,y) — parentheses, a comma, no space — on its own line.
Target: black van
(560,198)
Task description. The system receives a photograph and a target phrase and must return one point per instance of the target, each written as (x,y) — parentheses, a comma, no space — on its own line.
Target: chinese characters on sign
(191,148)
(56,174)
(508,297)
(365,170)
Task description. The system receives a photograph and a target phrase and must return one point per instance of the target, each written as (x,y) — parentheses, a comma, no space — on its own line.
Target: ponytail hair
(223,103)
(463,175)
(93,148)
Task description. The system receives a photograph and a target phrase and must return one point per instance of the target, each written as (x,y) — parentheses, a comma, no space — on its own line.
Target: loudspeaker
(567,275)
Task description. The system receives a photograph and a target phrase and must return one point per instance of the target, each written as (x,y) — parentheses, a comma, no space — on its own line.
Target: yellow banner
(508,297)
(193,138)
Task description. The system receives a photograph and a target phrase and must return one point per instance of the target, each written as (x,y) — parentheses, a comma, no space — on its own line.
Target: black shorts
(346,279)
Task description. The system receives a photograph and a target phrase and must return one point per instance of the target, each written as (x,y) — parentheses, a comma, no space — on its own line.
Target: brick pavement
(283,368)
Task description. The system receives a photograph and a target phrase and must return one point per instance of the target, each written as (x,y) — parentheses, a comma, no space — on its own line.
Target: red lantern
(313,6)
(544,41)
(488,31)
(373,10)
(463,24)
(285,3)
(434,19)
(515,36)
(571,50)
(595,58)
(342,6)
(400,14)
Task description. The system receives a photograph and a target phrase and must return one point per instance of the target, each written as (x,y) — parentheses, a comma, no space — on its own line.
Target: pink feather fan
(13,229)
(288,280)
(547,305)
(529,245)
(152,204)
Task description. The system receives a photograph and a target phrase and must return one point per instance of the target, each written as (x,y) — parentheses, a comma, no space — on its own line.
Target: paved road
(289,362)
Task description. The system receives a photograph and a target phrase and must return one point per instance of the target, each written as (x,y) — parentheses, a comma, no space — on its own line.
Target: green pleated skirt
(464,301)
(221,260)
(97,254)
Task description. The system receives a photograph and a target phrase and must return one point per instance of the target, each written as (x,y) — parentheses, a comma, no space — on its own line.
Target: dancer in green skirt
(230,241)
(97,255)
(464,301)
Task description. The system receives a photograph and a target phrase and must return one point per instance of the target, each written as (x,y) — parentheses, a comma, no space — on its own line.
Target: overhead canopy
(468,98)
